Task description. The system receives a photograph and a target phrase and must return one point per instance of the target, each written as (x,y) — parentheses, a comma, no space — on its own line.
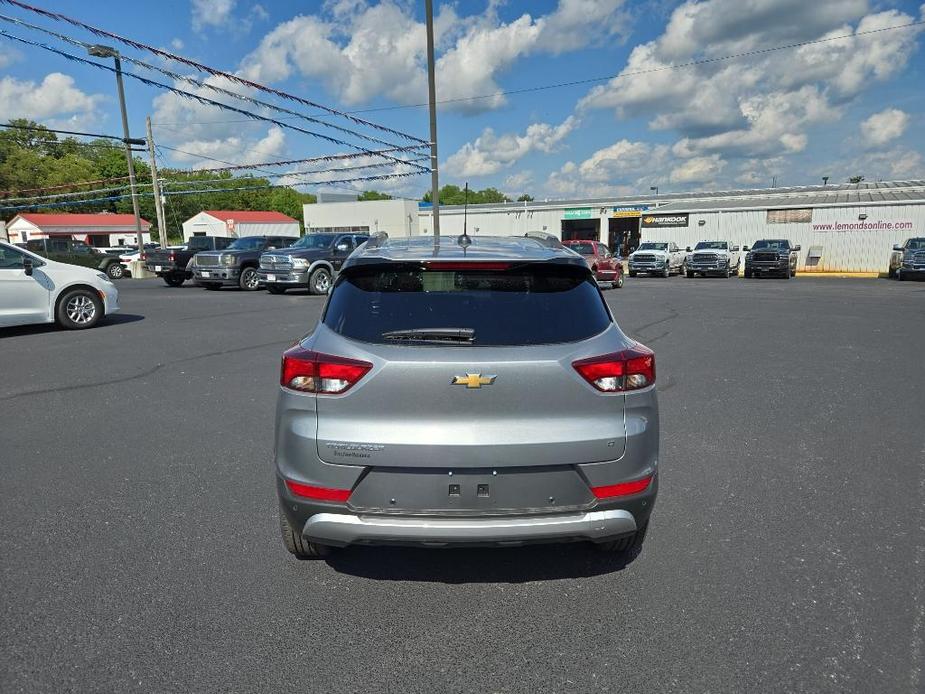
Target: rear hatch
(469,368)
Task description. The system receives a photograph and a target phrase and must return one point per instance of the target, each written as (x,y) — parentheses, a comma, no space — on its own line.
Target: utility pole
(109,52)
(156,184)
(432,97)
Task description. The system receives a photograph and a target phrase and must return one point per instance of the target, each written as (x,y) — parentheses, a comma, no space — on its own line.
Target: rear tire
(79,309)
(174,280)
(626,548)
(689,273)
(728,272)
(273,289)
(619,283)
(632,274)
(666,272)
(115,271)
(297,545)
(748,274)
(901,275)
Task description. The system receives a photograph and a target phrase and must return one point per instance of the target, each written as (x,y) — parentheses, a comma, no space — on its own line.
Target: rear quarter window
(542,304)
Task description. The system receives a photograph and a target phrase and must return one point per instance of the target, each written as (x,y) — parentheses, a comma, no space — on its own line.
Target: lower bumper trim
(344,529)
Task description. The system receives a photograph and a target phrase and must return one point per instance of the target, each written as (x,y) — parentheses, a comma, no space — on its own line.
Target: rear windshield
(520,306)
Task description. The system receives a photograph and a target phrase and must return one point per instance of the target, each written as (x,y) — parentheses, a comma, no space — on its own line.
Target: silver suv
(477,391)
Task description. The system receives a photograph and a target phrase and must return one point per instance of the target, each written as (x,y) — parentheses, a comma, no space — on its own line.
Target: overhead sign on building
(630,211)
(578,213)
(665,220)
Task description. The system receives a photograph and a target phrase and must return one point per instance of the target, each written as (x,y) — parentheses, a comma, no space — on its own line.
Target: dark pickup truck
(170,264)
(771,257)
(68,250)
(235,266)
(311,262)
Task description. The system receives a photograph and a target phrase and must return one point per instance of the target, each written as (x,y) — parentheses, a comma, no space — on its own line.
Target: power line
(195,97)
(288,162)
(65,185)
(205,68)
(42,128)
(111,198)
(198,83)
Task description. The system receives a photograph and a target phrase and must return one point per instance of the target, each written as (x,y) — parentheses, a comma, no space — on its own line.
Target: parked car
(170,264)
(606,268)
(37,289)
(908,260)
(656,258)
(517,410)
(236,265)
(713,258)
(312,262)
(72,252)
(771,257)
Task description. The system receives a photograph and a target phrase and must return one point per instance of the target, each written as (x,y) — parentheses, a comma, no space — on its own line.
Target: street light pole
(109,52)
(432,98)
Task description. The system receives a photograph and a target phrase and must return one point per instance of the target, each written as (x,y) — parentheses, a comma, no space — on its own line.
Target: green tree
(373,195)
(454,195)
(525,198)
(855,179)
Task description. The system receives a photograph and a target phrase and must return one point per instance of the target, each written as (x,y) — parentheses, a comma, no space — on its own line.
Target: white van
(38,290)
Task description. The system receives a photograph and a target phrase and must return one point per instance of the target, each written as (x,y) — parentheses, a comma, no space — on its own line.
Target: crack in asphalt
(673,312)
(143,374)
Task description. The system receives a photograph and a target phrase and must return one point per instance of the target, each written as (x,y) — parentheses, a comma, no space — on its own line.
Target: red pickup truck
(607,269)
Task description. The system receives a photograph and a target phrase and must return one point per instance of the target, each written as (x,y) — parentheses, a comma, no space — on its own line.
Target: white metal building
(397,217)
(99,230)
(840,228)
(238,223)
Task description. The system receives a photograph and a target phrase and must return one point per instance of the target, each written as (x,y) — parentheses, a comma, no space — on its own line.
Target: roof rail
(377,239)
(549,240)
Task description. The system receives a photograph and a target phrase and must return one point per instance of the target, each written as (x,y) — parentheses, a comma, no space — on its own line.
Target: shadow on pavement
(478,565)
(112,321)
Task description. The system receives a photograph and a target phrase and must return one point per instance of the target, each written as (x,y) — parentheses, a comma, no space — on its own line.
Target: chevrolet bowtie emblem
(473,380)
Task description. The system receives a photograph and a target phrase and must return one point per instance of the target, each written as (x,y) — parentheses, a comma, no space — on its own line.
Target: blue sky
(835,108)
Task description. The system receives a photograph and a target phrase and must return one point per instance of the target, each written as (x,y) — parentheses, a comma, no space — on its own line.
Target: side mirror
(796,248)
(735,249)
(271,248)
(342,247)
(28,266)
(688,249)
(897,247)
(745,248)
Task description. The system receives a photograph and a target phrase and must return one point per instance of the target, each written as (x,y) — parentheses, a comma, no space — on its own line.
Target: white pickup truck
(656,258)
(713,258)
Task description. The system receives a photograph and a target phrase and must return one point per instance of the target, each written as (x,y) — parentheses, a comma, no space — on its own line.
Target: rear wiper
(431,335)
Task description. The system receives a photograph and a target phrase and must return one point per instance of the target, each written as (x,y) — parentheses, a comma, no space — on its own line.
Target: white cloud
(220,14)
(882,127)
(699,170)
(176,44)
(8,56)
(212,13)
(55,96)
(618,169)
(517,183)
(363,50)
(490,153)
(764,105)
(202,153)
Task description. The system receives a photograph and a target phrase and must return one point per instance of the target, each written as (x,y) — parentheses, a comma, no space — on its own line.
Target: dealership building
(840,228)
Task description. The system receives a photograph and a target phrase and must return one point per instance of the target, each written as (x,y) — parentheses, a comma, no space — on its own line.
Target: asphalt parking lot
(141,552)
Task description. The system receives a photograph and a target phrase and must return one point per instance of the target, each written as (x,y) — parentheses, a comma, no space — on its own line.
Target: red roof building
(95,229)
(238,223)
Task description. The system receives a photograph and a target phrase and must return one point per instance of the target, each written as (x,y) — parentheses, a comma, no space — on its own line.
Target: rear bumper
(346,529)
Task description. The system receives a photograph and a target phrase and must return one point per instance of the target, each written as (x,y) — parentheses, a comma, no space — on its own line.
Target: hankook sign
(664,220)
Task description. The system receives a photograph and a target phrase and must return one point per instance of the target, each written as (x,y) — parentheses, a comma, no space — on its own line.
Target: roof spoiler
(377,239)
(548,240)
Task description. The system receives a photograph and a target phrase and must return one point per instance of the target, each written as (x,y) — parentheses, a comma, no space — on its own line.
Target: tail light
(313,372)
(172,257)
(631,369)
(309,491)
(622,489)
